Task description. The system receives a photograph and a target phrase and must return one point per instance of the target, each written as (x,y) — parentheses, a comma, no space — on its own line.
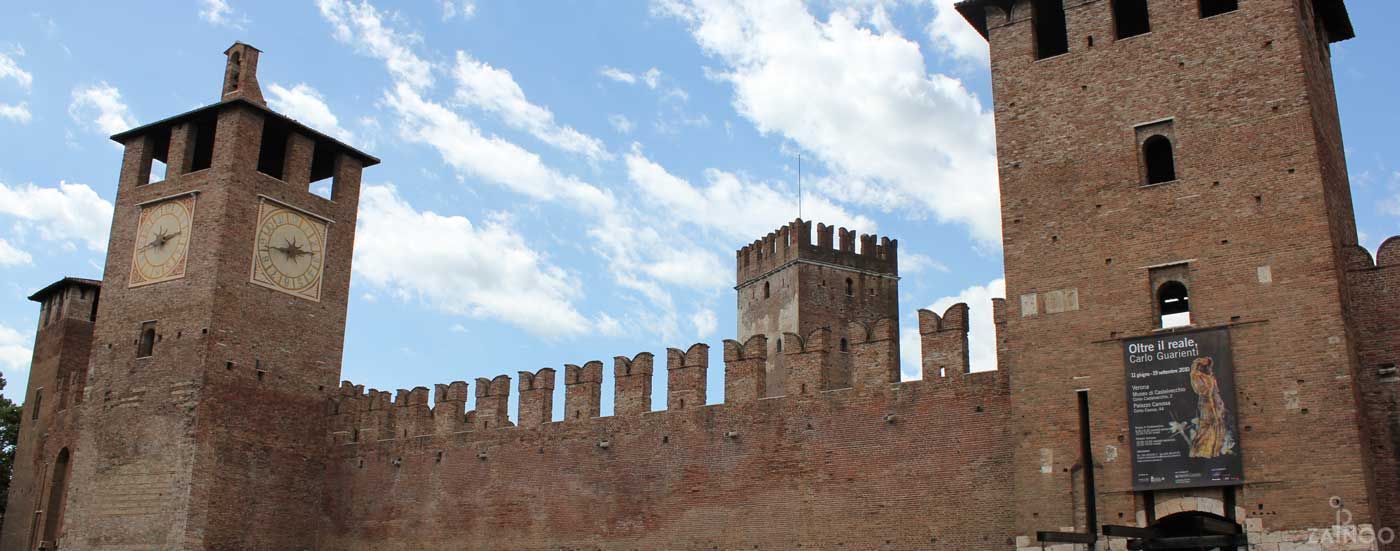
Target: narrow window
(1161,164)
(1086,460)
(1130,18)
(1210,8)
(272,154)
(235,66)
(147,344)
(765,290)
(780,346)
(850,287)
(1051,35)
(38,403)
(1174,304)
(844,346)
(204,144)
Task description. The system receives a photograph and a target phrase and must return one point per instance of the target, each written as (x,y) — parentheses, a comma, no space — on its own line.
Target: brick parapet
(360,415)
(686,374)
(833,246)
(632,384)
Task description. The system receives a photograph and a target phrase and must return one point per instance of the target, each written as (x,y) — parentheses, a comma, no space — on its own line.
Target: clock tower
(219,335)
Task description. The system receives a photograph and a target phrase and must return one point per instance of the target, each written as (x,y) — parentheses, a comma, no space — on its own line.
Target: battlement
(1387,256)
(834,246)
(872,349)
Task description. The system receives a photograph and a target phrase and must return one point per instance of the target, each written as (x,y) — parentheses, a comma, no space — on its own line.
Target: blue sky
(568,181)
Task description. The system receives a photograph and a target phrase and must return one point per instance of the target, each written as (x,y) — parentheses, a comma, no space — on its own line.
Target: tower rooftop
(49,289)
(209,113)
(835,247)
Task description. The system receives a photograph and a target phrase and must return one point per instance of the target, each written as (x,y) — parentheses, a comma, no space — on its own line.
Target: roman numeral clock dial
(162,241)
(289,250)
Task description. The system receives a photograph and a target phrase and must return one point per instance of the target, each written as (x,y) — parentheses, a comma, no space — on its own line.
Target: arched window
(850,287)
(844,346)
(765,289)
(780,345)
(1157,154)
(147,344)
(1174,304)
(38,403)
(235,63)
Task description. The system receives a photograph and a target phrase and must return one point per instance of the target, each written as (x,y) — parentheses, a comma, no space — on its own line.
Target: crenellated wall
(1375,315)
(794,241)
(868,466)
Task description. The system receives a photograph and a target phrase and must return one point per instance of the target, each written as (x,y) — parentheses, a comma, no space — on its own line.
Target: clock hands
(292,250)
(160,239)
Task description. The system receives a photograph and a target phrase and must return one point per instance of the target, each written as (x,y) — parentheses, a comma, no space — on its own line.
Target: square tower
(1171,167)
(789,287)
(57,376)
(219,335)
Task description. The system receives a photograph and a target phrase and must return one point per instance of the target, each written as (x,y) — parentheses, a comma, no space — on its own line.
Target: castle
(1196,353)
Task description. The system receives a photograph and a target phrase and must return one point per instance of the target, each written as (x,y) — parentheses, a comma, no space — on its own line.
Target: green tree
(9,437)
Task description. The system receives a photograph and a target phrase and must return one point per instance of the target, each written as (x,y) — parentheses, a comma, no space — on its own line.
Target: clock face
(162,241)
(289,250)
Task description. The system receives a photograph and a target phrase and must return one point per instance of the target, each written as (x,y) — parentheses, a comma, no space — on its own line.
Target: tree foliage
(9,437)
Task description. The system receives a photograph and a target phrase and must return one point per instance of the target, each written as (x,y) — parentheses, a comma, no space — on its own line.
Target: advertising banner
(1181,410)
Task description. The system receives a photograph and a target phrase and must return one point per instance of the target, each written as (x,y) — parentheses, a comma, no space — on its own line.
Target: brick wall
(48,421)
(1256,150)
(875,466)
(1375,310)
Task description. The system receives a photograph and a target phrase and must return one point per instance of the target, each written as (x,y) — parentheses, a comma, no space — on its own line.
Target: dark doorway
(1196,531)
(58,488)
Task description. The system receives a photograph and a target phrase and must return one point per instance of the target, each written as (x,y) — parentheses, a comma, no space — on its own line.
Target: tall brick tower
(218,338)
(57,376)
(1172,169)
(788,285)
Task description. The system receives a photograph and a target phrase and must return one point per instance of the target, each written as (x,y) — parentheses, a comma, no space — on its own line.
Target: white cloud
(460,143)
(981,338)
(466,149)
(953,36)
(11,70)
(620,123)
(465,9)
(652,78)
(14,360)
(619,75)
(479,270)
(68,213)
(862,101)
(304,103)
(219,12)
(705,322)
(12,256)
(914,263)
(100,108)
(15,112)
(362,26)
(495,91)
(641,258)
(730,203)
(1391,205)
